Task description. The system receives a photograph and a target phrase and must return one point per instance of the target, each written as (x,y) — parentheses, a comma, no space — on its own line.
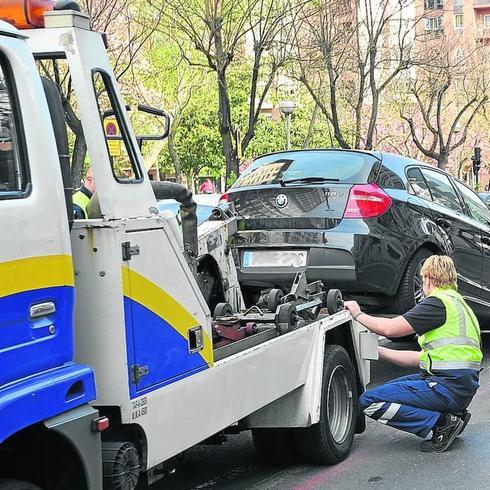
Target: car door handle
(446,224)
(485,240)
(42,309)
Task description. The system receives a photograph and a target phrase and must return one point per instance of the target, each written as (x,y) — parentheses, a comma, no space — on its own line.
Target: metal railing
(481,3)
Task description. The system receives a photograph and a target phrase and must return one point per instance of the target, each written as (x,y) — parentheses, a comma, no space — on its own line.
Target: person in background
(207,187)
(81,198)
(449,336)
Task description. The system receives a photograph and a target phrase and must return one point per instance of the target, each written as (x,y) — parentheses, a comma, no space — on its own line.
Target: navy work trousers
(412,403)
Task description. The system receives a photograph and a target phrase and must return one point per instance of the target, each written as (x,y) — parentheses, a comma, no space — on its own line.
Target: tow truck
(111,364)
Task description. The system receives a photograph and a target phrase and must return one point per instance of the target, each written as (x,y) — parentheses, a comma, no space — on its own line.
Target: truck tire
(121,465)
(9,484)
(275,446)
(330,440)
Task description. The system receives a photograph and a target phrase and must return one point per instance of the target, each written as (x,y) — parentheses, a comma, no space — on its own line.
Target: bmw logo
(281,200)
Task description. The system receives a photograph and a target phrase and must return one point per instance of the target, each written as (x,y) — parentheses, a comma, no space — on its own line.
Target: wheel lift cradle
(142,324)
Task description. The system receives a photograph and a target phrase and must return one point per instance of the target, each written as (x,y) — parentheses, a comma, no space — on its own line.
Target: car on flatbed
(360,221)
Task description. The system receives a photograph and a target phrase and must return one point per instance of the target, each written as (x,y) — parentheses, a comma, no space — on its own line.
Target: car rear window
(340,166)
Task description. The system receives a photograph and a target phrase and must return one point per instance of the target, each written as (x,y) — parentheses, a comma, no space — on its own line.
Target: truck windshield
(304,167)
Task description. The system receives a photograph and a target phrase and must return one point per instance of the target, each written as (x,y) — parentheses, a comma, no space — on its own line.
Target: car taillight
(367,201)
(224,199)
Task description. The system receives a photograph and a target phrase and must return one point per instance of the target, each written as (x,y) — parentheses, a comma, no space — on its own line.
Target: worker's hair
(441,271)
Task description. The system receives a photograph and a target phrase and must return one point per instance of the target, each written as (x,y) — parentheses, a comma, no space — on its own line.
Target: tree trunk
(229,152)
(225,123)
(174,157)
(78,158)
(375,100)
(311,127)
(151,158)
(442,160)
(334,109)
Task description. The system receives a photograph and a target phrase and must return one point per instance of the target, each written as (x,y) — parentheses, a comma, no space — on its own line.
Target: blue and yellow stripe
(33,273)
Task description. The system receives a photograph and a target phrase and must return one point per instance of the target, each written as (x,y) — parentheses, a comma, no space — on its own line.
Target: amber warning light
(25,14)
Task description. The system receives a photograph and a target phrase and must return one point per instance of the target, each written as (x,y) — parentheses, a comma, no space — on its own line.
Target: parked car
(485,196)
(360,221)
(205,205)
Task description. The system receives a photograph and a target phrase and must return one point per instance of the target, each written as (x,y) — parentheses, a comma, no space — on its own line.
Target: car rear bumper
(352,262)
(325,264)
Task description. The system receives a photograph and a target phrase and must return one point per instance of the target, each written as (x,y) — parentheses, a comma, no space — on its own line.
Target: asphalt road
(381,457)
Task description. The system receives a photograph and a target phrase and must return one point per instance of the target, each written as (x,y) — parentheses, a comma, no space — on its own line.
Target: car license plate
(275,258)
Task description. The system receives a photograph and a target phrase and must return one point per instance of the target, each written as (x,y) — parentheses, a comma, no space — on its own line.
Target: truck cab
(39,377)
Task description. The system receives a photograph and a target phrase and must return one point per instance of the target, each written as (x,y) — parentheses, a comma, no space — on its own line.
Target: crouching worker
(435,400)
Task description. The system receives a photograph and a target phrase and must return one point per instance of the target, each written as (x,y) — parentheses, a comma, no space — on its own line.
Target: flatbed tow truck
(111,364)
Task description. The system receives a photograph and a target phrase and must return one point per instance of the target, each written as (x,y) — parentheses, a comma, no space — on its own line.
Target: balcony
(483,34)
(481,4)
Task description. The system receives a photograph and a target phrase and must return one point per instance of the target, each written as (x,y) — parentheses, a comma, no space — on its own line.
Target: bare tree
(448,92)
(271,29)
(219,31)
(349,53)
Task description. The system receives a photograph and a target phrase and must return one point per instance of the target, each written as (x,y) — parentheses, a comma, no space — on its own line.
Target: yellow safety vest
(456,344)
(81,200)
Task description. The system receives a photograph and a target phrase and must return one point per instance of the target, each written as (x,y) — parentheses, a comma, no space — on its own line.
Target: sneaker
(466,418)
(443,437)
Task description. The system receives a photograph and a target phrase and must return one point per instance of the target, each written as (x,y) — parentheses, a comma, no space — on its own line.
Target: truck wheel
(8,484)
(275,446)
(121,465)
(329,441)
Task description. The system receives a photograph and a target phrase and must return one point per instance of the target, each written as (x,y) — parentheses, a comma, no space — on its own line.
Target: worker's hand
(352,306)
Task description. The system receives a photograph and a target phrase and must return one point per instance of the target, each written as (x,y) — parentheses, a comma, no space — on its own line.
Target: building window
(458,21)
(458,6)
(433,4)
(433,24)
(486,21)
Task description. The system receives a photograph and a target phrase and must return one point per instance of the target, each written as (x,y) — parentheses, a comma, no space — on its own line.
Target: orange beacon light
(25,14)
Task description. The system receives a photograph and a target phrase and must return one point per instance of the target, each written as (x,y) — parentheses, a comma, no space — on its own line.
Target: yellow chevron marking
(148,294)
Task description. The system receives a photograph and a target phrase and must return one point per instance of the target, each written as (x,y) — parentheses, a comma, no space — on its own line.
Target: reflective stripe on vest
(448,365)
(456,343)
(451,341)
(81,200)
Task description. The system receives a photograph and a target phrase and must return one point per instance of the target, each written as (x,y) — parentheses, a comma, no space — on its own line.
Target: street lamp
(287,108)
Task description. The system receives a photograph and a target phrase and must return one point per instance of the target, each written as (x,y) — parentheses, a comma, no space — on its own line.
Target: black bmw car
(360,221)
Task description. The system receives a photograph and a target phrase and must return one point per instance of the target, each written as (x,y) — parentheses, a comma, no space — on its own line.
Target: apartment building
(468,17)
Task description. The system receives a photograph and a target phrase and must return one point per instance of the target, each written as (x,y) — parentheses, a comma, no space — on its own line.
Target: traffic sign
(111,128)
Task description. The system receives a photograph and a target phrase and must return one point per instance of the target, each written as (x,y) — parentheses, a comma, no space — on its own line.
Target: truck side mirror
(144,137)
(158,113)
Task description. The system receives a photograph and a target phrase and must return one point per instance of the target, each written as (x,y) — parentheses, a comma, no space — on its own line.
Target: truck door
(166,326)
(36,286)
